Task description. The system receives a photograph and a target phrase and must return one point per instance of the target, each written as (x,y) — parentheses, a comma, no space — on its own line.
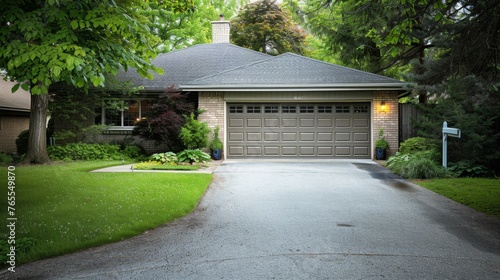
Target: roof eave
(301,87)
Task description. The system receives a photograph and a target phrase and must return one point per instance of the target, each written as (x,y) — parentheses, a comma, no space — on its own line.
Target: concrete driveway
(329,219)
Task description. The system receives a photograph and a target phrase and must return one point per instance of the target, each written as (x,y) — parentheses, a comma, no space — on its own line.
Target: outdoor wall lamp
(382,106)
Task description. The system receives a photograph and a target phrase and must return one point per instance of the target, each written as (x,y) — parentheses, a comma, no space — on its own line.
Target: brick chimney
(220,30)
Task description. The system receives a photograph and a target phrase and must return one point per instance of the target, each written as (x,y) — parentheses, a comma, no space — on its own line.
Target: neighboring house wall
(386,119)
(10,127)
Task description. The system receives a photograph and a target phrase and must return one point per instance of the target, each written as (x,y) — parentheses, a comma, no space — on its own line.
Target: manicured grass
(478,193)
(63,208)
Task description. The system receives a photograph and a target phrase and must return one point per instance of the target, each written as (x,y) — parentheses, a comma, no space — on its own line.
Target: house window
(342,109)
(323,109)
(271,109)
(236,109)
(125,113)
(253,109)
(288,109)
(361,109)
(306,109)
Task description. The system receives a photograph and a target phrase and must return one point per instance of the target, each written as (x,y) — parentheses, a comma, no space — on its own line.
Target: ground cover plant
(61,208)
(185,160)
(480,194)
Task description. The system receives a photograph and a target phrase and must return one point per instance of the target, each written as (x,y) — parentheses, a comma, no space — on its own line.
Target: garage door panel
(236,150)
(254,136)
(271,150)
(254,123)
(306,151)
(235,137)
(325,151)
(325,136)
(289,122)
(289,136)
(361,137)
(233,123)
(361,151)
(361,123)
(342,151)
(326,130)
(271,122)
(307,122)
(343,137)
(346,123)
(322,122)
(289,150)
(306,136)
(254,151)
(271,136)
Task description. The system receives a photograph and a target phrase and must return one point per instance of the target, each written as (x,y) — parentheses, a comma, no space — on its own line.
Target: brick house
(14,115)
(284,106)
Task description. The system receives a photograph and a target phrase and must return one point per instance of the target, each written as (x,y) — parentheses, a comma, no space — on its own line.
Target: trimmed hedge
(83,151)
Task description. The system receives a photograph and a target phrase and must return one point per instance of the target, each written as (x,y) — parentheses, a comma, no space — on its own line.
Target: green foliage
(265,27)
(417,144)
(478,193)
(23,246)
(181,29)
(465,168)
(419,165)
(193,156)
(216,143)
(83,151)
(381,142)
(5,159)
(165,158)
(147,165)
(194,134)
(22,142)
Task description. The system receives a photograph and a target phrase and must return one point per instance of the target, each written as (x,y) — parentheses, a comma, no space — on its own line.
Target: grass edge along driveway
(63,208)
(481,194)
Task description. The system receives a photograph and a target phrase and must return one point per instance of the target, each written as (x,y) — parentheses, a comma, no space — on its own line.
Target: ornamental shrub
(417,144)
(193,156)
(82,151)
(194,134)
(419,165)
(165,158)
(22,142)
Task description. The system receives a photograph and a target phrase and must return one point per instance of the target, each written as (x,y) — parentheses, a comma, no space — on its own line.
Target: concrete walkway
(330,219)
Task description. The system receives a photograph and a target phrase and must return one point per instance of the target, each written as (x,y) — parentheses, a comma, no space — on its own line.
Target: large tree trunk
(37,143)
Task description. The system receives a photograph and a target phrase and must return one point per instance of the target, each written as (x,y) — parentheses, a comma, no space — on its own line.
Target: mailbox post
(448,131)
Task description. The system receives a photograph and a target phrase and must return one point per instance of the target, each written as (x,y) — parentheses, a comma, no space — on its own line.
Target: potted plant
(216,145)
(381,146)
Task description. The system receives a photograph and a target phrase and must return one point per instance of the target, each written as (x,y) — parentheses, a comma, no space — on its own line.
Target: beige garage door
(329,130)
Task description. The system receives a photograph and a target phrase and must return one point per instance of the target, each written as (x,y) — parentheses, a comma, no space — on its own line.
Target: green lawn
(477,193)
(62,208)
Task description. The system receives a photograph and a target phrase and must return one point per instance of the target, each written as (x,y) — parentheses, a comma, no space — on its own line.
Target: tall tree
(178,30)
(72,42)
(265,27)
(452,48)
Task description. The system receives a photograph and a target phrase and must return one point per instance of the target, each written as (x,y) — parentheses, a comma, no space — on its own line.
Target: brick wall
(10,127)
(386,118)
(213,105)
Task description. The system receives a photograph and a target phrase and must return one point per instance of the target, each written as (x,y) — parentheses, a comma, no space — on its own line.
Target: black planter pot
(380,154)
(217,154)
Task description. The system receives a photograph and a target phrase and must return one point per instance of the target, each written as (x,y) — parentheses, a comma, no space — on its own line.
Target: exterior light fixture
(383,106)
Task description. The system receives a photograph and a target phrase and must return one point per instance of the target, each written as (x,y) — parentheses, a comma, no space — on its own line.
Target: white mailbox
(448,131)
(453,132)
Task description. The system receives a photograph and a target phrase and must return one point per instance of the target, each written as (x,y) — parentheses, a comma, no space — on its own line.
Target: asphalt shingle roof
(182,66)
(290,70)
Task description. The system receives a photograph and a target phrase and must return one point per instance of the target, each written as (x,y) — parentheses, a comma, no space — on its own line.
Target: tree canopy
(265,27)
(73,42)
